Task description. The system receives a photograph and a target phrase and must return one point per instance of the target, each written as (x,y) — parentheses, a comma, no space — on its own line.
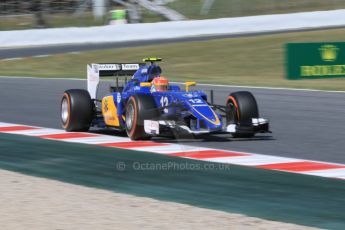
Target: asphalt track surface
(305,124)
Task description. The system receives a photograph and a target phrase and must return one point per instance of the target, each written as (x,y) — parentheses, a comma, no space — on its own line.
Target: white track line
(202,84)
(41,56)
(171,148)
(253,160)
(328,172)
(269,88)
(12,59)
(101,139)
(38,132)
(40,78)
(4,124)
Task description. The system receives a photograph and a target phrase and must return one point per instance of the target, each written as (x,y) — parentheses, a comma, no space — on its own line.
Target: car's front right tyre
(241,107)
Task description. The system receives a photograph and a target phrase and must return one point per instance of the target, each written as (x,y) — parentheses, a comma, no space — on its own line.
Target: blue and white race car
(147,105)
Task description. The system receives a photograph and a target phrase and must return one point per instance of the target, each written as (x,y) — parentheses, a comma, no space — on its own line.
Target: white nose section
(231,128)
(151,127)
(259,121)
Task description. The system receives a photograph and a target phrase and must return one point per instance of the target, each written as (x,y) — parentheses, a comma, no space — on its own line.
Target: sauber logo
(329,52)
(130,66)
(109,67)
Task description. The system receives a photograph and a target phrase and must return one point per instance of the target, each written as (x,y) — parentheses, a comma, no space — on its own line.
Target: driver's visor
(161,88)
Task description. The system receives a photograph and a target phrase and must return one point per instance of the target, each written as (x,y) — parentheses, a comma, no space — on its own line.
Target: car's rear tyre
(139,107)
(241,107)
(76,110)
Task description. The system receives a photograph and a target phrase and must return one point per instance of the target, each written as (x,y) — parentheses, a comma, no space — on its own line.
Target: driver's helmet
(160,84)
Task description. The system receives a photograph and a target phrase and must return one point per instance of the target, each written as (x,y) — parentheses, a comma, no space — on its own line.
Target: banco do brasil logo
(329,52)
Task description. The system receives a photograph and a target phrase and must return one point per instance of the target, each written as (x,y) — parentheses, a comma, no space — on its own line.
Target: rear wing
(95,71)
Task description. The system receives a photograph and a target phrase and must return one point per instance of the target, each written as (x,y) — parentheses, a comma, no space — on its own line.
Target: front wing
(158,127)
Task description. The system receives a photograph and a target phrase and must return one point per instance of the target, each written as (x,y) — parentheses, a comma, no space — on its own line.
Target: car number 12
(196,101)
(164,102)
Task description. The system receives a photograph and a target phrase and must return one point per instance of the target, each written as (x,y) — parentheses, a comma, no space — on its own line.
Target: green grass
(256,61)
(235,8)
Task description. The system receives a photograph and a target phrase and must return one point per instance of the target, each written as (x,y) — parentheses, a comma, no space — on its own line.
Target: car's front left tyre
(139,108)
(76,110)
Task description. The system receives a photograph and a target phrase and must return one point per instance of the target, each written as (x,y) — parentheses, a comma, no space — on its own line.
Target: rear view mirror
(189,83)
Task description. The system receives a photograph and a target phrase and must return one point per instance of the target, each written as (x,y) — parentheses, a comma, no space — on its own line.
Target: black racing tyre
(241,107)
(76,110)
(139,107)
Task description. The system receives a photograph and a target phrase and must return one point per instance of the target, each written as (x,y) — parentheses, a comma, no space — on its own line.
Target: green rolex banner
(315,60)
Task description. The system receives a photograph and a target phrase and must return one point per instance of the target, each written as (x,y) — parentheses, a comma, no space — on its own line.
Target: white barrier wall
(178,29)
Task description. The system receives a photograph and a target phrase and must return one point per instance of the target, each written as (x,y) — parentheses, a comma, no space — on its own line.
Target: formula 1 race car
(147,105)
